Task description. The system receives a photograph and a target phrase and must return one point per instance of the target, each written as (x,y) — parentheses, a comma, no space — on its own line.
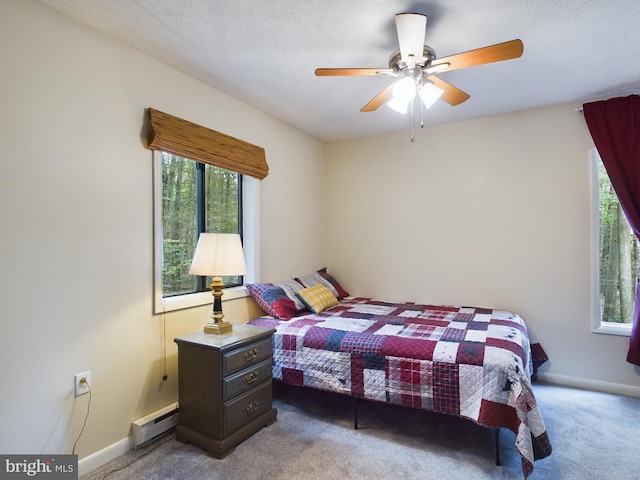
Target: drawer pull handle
(250,355)
(250,378)
(251,408)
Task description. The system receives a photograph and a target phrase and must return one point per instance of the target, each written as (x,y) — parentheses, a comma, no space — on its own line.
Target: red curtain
(615,128)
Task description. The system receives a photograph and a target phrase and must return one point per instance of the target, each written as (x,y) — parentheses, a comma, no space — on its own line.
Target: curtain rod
(615,94)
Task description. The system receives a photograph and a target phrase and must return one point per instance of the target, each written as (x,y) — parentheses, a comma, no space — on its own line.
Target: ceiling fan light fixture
(404,90)
(398,105)
(403,93)
(429,93)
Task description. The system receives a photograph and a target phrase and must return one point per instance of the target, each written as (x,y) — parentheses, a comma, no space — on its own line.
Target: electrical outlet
(82,381)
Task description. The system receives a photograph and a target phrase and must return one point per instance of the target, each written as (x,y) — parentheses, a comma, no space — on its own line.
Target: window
(189,198)
(618,255)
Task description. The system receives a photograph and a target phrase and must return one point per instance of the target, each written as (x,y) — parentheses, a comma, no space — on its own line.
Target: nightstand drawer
(246,379)
(245,357)
(248,406)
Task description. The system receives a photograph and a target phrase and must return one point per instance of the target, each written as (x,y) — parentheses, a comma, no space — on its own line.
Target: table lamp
(218,254)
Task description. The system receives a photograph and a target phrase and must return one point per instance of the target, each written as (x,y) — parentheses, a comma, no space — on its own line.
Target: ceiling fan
(415,64)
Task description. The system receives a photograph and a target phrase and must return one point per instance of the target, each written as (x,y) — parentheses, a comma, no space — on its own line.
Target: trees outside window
(196,198)
(618,256)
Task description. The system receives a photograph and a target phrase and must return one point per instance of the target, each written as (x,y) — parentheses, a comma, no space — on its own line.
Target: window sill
(181,302)
(623,330)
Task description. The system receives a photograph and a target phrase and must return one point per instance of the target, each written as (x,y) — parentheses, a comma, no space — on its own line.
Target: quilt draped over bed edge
(474,363)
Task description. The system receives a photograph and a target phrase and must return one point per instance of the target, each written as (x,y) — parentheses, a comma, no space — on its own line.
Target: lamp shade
(398,105)
(429,93)
(218,254)
(404,90)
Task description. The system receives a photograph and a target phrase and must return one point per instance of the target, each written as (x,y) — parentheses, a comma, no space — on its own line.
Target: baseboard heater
(153,425)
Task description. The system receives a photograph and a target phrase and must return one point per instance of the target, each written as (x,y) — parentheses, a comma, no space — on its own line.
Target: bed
(474,363)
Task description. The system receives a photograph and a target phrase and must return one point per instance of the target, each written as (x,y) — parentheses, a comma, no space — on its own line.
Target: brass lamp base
(216,325)
(218,328)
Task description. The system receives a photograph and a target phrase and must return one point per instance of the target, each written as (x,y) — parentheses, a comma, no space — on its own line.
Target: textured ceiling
(265,52)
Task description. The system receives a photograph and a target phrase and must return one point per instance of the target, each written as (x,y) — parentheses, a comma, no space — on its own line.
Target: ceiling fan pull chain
(413,139)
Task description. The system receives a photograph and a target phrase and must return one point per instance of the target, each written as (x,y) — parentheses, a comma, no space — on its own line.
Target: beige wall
(491,212)
(76,219)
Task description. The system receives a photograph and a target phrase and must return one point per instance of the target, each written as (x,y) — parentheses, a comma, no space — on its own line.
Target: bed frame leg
(497,435)
(355,414)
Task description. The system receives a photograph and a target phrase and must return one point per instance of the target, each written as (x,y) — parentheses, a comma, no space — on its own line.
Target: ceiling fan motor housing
(397,64)
(417,71)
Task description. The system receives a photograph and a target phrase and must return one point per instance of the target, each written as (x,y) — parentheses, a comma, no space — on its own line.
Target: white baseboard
(585,383)
(105,455)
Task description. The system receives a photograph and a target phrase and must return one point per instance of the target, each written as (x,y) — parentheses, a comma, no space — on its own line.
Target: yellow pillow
(317,298)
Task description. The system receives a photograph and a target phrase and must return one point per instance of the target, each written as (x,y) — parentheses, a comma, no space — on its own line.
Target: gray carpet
(594,436)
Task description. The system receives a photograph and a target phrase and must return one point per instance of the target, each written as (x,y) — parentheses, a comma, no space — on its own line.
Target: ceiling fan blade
(452,95)
(493,53)
(378,100)
(411,29)
(341,72)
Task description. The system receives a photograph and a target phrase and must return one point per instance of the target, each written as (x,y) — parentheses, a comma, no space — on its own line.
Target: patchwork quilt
(474,363)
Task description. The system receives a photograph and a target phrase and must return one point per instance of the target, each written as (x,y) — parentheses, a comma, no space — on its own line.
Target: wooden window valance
(186,139)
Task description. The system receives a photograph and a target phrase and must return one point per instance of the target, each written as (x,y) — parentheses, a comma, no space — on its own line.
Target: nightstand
(224,387)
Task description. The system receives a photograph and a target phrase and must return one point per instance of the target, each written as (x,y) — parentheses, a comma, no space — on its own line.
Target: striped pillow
(323,277)
(272,299)
(342,293)
(317,298)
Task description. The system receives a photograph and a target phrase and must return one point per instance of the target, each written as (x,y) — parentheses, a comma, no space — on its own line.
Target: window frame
(597,325)
(250,245)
